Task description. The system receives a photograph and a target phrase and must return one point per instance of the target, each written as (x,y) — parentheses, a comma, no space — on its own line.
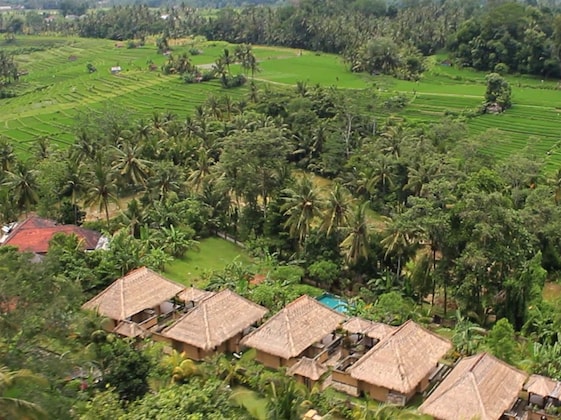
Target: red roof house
(35,233)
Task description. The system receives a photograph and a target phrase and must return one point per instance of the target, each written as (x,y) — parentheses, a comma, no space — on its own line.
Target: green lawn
(214,254)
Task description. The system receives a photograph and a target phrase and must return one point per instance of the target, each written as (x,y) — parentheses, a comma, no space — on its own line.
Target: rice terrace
(56,87)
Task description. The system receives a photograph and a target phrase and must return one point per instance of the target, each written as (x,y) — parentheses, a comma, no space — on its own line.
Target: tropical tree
(17,408)
(129,164)
(286,399)
(302,205)
(177,241)
(355,246)
(101,189)
(468,336)
(22,184)
(337,209)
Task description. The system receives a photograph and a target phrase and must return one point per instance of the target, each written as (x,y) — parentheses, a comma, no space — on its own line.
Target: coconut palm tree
(302,204)
(7,155)
(355,245)
(336,210)
(22,185)
(16,408)
(397,241)
(200,174)
(101,188)
(129,164)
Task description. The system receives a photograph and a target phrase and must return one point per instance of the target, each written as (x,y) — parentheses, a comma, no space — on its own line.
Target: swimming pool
(334,302)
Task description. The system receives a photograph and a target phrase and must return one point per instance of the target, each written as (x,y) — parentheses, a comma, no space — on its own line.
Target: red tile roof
(35,233)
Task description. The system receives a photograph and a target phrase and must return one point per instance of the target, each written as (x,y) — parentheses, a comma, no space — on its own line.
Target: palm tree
(166,179)
(397,241)
(101,188)
(22,184)
(199,175)
(127,162)
(382,174)
(7,155)
(176,241)
(16,408)
(467,335)
(302,204)
(286,399)
(355,244)
(336,210)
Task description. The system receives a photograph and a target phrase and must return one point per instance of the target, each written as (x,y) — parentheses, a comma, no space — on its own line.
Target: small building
(307,371)
(360,336)
(217,323)
(304,327)
(140,297)
(479,387)
(543,393)
(116,69)
(400,365)
(35,233)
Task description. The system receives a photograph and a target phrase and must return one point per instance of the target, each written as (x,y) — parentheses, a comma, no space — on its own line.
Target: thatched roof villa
(479,386)
(307,371)
(304,327)
(542,393)
(400,364)
(140,296)
(216,324)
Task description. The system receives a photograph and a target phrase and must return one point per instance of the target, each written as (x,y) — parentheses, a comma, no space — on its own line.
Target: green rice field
(58,86)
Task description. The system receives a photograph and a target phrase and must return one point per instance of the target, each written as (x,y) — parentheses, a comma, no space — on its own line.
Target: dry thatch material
(543,386)
(480,386)
(138,290)
(192,294)
(129,329)
(401,360)
(371,329)
(308,368)
(357,325)
(380,331)
(300,324)
(215,320)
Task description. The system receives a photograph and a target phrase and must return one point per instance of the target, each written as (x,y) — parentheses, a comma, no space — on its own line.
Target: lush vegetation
(376,178)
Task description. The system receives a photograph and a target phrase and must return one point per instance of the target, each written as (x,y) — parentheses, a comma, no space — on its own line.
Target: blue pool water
(334,302)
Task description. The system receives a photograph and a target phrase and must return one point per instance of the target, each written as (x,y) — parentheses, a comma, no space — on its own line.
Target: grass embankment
(214,254)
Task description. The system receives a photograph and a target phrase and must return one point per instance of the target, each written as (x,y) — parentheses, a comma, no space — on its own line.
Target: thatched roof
(138,290)
(380,331)
(191,294)
(215,320)
(402,359)
(357,325)
(129,329)
(480,386)
(309,368)
(543,386)
(295,328)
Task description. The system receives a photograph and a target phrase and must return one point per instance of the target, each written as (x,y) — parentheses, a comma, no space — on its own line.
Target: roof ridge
(207,326)
(289,331)
(471,378)
(122,296)
(400,367)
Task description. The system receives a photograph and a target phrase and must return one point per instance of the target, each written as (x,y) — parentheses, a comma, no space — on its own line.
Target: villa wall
(195,353)
(344,378)
(274,362)
(377,393)
(424,384)
(270,361)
